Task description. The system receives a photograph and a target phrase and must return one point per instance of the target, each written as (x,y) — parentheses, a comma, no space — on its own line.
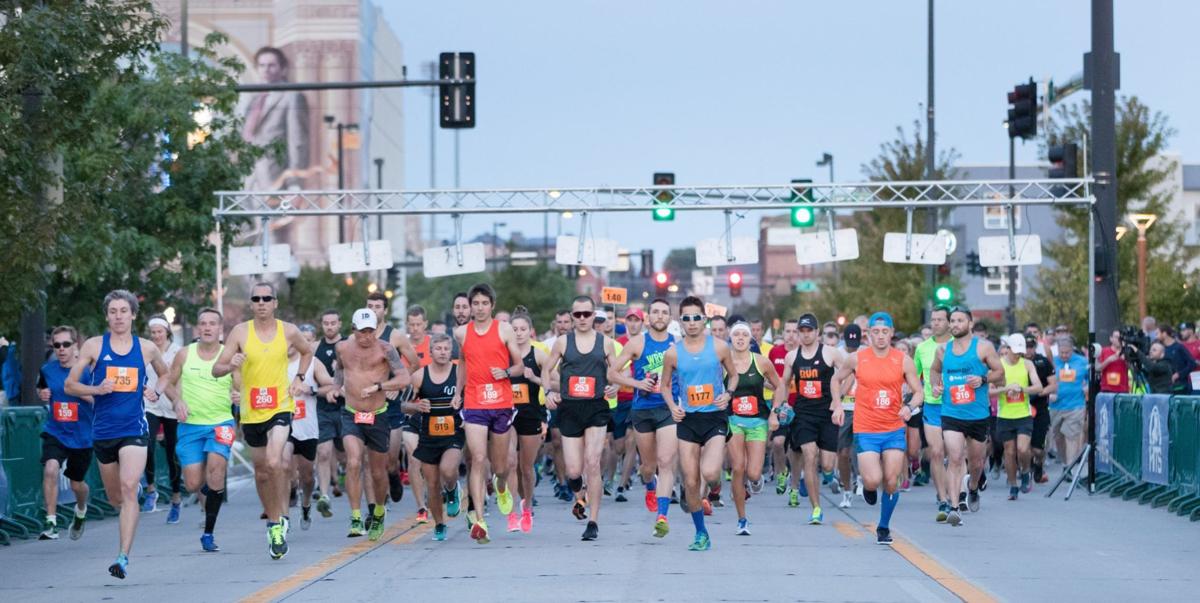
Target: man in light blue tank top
(702,362)
(118,362)
(961,372)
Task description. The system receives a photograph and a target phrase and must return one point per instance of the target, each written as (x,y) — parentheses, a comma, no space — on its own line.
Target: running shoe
(149,505)
(871,496)
(173,514)
(1013,491)
(356,528)
(973,501)
(208,545)
(983,481)
(1026,483)
(728,475)
(906,485)
(943,512)
(661,527)
(858,487)
(706,506)
(781,483)
(743,527)
(376,531)
(526,520)
(453,502)
(292,497)
(621,494)
(564,494)
(835,486)
(608,488)
(953,518)
(793,497)
(395,487)
(883,536)
(579,510)
(591,532)
(756,487)
(286,522)
(77,525)
(1043,479)
(817,517)
(651,500)
(118,569)
(962,502)
(514,522)
(845,504)
(422,515)
(824,479)
(51,531)
(921,478)
(504,500)
(323,507)
(439,532)
(404,479)
(701,543)
(305,518)
(277,542)
(803,487)
(479,532)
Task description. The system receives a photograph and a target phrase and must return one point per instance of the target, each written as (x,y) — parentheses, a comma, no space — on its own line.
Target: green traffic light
(664,214)
(943,294)
(803,216)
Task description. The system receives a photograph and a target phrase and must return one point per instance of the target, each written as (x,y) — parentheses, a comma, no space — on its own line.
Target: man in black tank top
(441,437)
(378,303)
(582,391)
(814,430)
(329,414)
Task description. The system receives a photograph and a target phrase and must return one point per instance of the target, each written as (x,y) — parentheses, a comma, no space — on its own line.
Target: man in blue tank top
(117,361)
(650,417)
(67,434)
(700,412)
(961,372)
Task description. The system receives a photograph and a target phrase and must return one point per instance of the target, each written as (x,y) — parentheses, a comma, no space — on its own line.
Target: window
(995,282)
(995,217)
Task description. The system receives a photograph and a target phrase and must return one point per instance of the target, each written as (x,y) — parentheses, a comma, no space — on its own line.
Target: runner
(460,311)
(441,437)
(961,373)
(583,419)
(783,413)
(329,413)
(926,353)
(67,434)
(117,362)
(1014,416)
(367,368)
(259,348)
(162,423)
(530,420)
(751,418)
(300,451)
(634,321)
(881,372)
(1041,407)
(718,326)
(702,423)
(814,432)
(378,303)
(204,406)
(652,421)
(490,357)
(847,457)
(415,322)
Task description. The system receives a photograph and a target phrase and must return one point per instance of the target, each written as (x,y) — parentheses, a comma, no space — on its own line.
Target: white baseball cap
(364,318)
(1015,342)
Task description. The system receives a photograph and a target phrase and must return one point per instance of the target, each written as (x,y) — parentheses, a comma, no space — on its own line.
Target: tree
(1059,296)
(868,284)
(315,290)
(136,207)
(541,290)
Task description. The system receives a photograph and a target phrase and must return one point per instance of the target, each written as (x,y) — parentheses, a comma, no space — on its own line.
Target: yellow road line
(348,553)
(848,530)
(949,579)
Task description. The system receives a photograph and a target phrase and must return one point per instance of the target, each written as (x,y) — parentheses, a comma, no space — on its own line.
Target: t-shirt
(1072,377)
(1193,348)
(1115,377)
(778,357)
(923,357)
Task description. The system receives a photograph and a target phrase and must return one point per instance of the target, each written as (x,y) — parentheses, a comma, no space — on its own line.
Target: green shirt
(923,357)
(207,397)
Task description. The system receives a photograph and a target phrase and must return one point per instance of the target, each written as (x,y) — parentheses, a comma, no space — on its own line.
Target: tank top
(1014,407)
(441,420)
(811,378)
(524,390)
(304,418)
(958,400)
(265,377)
(748,400)
(650,363)
(482,353)
(120,414)
(327,353)
(207,397)
(582,377)
(163,406)
(880,384)
(70,419)
(700,377)
(422,350)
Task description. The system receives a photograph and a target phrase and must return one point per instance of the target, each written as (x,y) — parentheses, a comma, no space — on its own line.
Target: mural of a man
(276,116)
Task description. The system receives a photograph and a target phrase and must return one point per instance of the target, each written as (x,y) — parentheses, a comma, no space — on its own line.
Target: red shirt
(778,357)
(482,353)
(624,394)
(1115,377)
(1193,347)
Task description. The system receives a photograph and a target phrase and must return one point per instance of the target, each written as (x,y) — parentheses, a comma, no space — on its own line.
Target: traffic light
(662,199)
(647,263)
(735,284)
(457,102)
(1064,160)
(943,294)
(803,215)
(661,281)
(1022,114)
(944,269)
(973,266)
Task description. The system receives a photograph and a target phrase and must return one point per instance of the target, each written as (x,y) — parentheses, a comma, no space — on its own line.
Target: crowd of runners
(475,414)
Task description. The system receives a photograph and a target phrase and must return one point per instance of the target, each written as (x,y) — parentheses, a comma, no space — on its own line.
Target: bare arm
(400,342)
(514,352)
(836,360)
(556,352)
(87,357)
(774,381)
(914,383)
(1035,382)
(631,352)
(400,377)
(726,356)
(846,370)
(992,359)
(668,370)
(231,355)
(172,389)
(935,373)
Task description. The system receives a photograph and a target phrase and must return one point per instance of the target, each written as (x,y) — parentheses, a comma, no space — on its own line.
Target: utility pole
(433,125)
(183,28)
(33,319)
(931,221)
(341,160)
(1012,215)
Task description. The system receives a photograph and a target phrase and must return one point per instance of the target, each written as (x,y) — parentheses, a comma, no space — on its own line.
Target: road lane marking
(848,530)
(949,579)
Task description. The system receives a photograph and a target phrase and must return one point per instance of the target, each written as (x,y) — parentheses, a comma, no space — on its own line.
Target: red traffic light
(735,278)
(661,278)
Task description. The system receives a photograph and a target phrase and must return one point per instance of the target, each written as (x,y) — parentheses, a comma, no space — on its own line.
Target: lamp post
(827,160)
(341,157)
(496,226)
(1142,223)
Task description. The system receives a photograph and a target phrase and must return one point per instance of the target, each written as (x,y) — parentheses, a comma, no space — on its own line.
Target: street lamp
(341,156)
(1142,223)
(827,160)
(496,226)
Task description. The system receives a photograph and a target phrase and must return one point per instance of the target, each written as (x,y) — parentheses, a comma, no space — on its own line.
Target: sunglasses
(266,299)
(582,314)
(62,345)
(692,317)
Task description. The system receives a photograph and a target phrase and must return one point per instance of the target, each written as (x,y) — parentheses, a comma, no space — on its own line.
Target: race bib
(124,378)
(1016,398)
(962,394)
(520,393)
(301,410)
(264,398)
(441,427)
(1066,374)
(883,399)
(66,412)
(223,434)
(581,387)
(810,389)
(700,395)
(746,406)
(625,389)
(487,393)
(364,418)
(1113,378)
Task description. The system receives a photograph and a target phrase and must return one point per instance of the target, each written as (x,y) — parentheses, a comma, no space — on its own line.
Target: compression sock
(355,514)
(889,505)
(378,511)
(212,506)
(652,484)
(664,505)
(698,521)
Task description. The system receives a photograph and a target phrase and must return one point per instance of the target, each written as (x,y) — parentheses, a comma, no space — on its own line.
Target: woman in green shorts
(750,419)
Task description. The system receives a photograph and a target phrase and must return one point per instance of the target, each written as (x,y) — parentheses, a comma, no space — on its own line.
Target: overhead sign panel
(821,248)
(995,251)
(444,261)
(351,257)
(713,252)
(929,249)
(596,252)
(249,260)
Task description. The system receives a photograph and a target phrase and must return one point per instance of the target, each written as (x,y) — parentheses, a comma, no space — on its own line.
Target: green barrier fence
(1127,444)
(1184,423)
(22,448)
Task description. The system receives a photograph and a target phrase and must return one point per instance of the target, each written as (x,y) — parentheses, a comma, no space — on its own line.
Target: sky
(604,93)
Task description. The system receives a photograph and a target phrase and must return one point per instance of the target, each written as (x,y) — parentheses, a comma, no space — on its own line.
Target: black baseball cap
(808,321)
(852,336)
(1187,326)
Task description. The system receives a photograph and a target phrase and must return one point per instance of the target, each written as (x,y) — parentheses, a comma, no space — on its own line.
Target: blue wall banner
(1155,408)
(1104,432)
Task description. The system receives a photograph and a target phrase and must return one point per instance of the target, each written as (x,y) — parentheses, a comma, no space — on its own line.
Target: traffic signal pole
(1012,270)
(931,218)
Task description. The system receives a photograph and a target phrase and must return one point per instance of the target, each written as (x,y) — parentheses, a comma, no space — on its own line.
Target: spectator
(1187,336)
(1181,360)
(1114,372)
(1067,409)
(1157,369)
(1150,328)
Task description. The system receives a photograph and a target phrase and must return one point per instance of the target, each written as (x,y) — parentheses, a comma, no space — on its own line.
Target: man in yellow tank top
(1014,417)
(259,348)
